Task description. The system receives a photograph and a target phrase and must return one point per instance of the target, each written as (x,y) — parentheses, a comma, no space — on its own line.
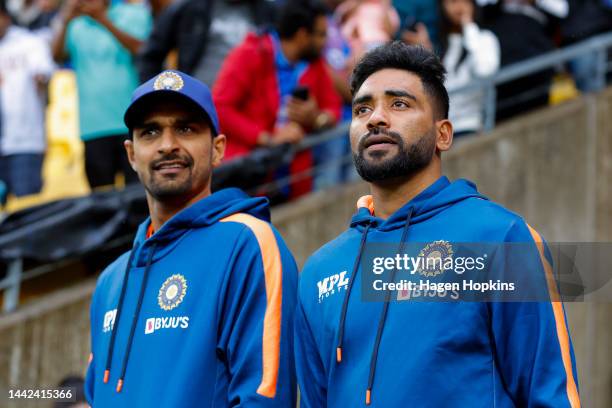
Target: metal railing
(15,273)
(598,45)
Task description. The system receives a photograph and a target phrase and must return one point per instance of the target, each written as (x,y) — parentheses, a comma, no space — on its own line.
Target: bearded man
(200,311)
(459,349)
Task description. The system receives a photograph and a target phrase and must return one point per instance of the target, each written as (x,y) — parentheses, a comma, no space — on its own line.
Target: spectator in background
(524,29)
(586,18)
(158,6)
(25,67)
(274,87)
(101,42)
(468,52)
(338,54)
(329,156)
(418,16)
(368,23)
(203,32)
(33,14)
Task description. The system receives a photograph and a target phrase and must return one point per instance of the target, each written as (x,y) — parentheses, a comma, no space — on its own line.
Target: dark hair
(415,59)
(3,9)
(295,14)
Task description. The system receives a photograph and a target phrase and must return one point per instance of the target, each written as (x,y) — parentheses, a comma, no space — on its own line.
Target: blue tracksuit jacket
(217,292)
(431,354)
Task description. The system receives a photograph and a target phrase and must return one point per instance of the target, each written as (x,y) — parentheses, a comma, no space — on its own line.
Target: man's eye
(360,110)
(185,129)
(148,132)
(400,104)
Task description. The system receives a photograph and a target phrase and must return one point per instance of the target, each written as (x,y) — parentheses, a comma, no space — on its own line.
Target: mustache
(186,160)
(377,131)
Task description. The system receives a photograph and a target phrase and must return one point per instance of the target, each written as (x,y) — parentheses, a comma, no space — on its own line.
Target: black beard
(406,163)
(167,190)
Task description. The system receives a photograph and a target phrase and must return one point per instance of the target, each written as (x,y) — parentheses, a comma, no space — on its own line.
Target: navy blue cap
(177,83)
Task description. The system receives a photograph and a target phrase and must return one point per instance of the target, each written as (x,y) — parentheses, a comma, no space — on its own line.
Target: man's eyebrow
(146,124)
(188,120)
(400,93)
(362,99)
(180,121)
(388,92)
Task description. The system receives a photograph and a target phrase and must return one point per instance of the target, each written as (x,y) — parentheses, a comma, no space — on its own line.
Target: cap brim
(140,106)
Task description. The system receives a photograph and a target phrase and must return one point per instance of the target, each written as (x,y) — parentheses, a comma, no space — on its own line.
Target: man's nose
(378,118)
(169,142)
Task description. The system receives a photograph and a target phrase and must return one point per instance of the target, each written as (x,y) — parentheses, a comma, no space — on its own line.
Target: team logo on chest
(172,292)
(109,320)
(332,284)
(435,258)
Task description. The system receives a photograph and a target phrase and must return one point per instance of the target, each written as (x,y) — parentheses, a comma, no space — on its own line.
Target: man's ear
(444,135)
(218,150)
(129,150)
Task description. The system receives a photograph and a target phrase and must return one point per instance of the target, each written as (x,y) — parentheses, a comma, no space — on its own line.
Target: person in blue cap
(199,312)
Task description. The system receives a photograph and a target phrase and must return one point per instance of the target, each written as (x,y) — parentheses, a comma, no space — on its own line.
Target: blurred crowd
(279,70)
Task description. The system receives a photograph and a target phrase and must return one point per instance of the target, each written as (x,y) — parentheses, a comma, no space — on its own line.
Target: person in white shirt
(525,30)
(25,67)
(468,52)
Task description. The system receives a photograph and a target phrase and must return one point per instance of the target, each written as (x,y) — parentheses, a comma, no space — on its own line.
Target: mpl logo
(156,323)
(332,284)
(109,320)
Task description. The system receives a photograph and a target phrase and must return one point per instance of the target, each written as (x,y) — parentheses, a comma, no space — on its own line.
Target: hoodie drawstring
(143,286)
(364,237)
(383,315)
(111,344)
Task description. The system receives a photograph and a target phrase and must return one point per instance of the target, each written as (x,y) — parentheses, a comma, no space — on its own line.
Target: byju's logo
(109,320)
(156,323)
(332,284)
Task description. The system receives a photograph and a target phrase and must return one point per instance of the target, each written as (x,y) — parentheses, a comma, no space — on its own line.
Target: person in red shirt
(274,88)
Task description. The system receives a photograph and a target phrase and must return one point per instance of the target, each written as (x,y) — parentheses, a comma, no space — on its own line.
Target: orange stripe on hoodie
(273,272)
(562,333)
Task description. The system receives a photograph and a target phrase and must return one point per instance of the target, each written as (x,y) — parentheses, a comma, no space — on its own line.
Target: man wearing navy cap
(199,312)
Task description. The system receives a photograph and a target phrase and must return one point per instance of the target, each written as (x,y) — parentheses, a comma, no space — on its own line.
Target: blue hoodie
(351,352)
(206,319)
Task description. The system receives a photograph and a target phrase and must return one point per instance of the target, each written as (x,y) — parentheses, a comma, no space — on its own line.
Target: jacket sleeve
(231,91)
(533,348)
(557,8)
(309,367)
(327,98)
(40,60)
(484,48)
(256,321)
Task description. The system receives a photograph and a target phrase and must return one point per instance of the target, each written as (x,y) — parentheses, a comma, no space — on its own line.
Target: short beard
(171,193)
(404,165)
(170,190)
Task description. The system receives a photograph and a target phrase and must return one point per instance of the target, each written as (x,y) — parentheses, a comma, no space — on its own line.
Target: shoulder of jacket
(113,271)
(332,250)
(492,215)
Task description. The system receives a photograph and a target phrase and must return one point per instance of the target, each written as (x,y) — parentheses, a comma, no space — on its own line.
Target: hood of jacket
(434,199)
(202,213)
